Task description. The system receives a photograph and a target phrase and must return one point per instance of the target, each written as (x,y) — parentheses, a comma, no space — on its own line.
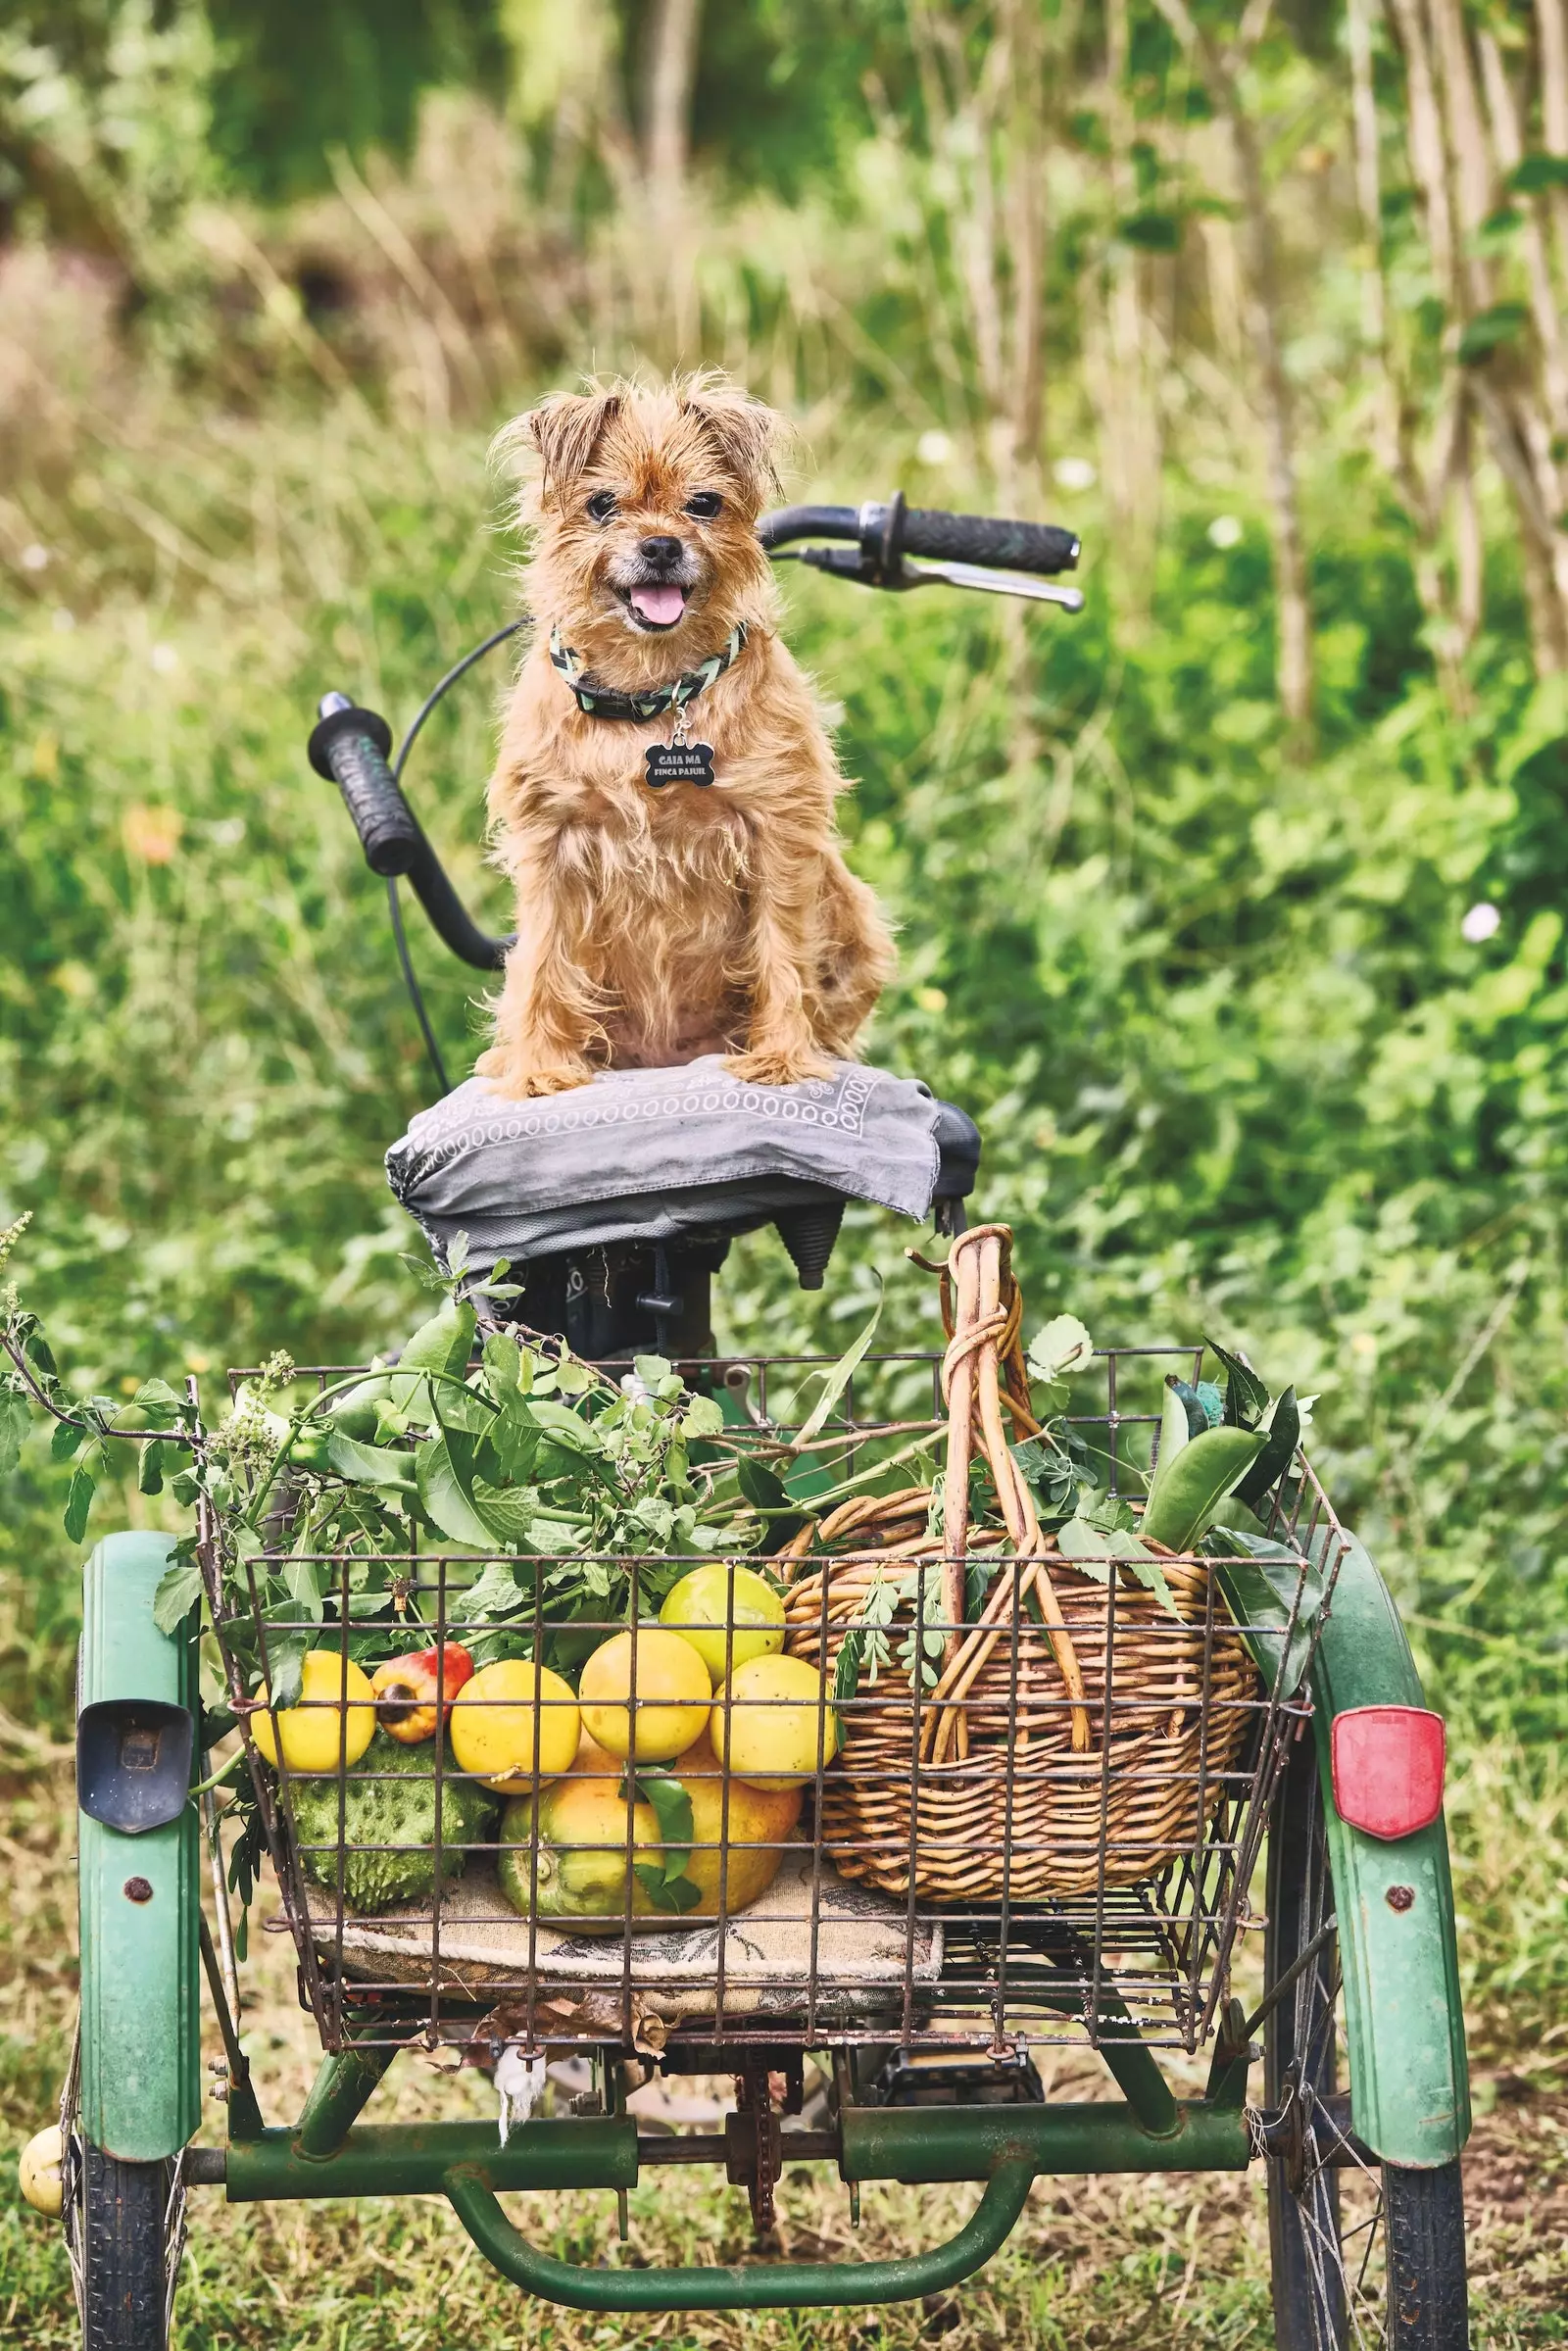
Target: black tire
(1363,2255)
(124,2225)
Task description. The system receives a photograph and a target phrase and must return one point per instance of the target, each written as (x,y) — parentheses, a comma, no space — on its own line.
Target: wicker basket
(1078,1734)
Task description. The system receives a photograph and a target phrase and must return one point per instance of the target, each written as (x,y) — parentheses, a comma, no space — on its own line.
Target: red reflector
(1388,1768)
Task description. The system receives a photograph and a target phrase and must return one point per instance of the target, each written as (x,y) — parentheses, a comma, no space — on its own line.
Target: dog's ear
(745,433)
(566,430)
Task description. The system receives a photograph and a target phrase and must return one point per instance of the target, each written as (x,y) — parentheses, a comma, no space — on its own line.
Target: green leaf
(835,1381)
(157,1396)
(150,1468)
(447,1498)
(1091,1550)
(302,1581)
(1283,1436)
(566,1428)
(508,1511)
(761,1486)
(1062,1347)
(78,1501)
(503,1365)
(285,1656)
(673,1808)
(1536,173)
(1175,1435)
(378,1465)
(675,1894)
(652,1370)
(1152,232)
(1184,1498)
(495,1592)
(15,1418)
(175,1594)
(1489,329)
(1265,1586)
(1246,1395)
(65,1440)
(442,1346)
(702,1417)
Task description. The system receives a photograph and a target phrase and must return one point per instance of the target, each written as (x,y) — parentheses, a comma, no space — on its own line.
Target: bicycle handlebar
(885,532)
(351,746)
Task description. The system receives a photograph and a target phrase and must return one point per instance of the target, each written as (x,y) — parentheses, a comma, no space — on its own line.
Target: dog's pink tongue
(661,606)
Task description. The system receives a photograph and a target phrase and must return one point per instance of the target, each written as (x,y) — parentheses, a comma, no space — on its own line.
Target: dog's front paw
(520,1082)
(769,1067)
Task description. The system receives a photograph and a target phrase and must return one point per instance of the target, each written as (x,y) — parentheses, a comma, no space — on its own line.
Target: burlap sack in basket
(1027,1783)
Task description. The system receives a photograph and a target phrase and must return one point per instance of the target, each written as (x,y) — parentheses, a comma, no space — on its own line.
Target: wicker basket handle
(982,1374)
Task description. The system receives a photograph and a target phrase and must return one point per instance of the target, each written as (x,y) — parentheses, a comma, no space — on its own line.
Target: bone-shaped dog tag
(678,763)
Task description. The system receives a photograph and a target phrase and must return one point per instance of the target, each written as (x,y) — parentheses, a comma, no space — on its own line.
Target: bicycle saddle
(687,1155)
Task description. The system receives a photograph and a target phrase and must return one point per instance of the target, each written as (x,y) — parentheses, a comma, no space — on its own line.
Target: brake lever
(919,571)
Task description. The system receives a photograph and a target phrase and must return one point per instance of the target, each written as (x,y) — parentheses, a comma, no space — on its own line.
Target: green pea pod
(1188,1492)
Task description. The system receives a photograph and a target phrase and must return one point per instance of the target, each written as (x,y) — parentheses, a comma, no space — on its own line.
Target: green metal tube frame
(1001,2148)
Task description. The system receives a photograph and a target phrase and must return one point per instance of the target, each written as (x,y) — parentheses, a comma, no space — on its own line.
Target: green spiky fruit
(394,1808)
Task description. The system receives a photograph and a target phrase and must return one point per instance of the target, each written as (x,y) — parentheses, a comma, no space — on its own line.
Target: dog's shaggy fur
(657,925)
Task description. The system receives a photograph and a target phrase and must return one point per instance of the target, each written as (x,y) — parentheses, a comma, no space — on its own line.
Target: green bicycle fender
(140,2022)
(1409,2080)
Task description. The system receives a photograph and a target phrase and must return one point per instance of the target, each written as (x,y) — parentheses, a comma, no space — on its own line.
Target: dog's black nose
(662,555)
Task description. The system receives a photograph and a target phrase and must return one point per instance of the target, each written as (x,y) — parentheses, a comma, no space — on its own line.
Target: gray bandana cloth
(647,1154)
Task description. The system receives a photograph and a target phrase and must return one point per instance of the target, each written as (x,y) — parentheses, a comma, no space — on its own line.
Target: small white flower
(163,660)
(933,449)
(36,558)
(1074,473)
(65,621)
(1483,922)
(1225,531)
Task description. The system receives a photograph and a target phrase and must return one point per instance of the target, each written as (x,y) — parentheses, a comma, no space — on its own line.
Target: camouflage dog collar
(603,701)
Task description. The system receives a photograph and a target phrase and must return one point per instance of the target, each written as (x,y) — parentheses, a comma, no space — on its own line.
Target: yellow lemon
(504,1714)
(587,1834)
(768,1720)
(704,1599)
(317,1734)
(750,1830)
(674,1691)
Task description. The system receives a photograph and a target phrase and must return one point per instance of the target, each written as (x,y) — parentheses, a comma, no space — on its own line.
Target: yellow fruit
(581,1870)
(40,2173)
(704,1597)
(756,1820)
(317,1734)
(594,1762)
(504,1713)
(768,1720)
(675,1692)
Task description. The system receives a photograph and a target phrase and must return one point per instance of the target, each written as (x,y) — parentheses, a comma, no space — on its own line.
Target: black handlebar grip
(351,746)
(989,539)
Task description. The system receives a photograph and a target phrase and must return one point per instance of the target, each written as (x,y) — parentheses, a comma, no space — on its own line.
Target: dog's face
(647,504)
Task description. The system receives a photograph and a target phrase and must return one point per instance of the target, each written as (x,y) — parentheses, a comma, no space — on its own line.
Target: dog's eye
(602,505)
(705,507)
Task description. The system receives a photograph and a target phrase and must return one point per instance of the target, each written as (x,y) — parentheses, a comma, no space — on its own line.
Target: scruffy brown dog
(660,916)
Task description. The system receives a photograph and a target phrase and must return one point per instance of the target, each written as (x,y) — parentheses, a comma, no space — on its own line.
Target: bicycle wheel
(1363,2255)
(124,2227)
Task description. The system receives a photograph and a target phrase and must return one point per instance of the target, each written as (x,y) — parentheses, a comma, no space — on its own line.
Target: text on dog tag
(679,763)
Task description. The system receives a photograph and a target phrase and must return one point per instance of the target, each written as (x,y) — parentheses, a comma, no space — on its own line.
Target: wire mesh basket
(943,1858)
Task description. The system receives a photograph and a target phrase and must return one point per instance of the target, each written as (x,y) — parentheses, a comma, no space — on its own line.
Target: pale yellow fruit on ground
(499,1716)
(756,1817)
(706,1598)
(675,1692)
(316,1734)
(768,1720)
(38,2171)
(582,1867)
